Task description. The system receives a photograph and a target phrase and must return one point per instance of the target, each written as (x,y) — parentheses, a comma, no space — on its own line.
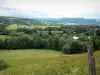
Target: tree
(97,44)
(2,44)
(97,32)
(74,47)
(55,42)
(3,64)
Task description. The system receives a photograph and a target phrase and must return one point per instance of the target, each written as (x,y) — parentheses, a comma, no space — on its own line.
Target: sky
(54,8)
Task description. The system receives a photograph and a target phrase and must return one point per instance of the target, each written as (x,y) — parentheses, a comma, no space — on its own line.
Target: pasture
(4,37)
(15,26)
(46,62)
(56,32)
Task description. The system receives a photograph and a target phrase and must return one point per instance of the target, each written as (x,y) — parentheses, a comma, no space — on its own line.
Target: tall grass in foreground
(46,62)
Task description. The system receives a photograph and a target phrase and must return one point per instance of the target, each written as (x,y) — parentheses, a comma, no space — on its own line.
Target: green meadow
(56,32)
(15,26)
(46,62)
(4,36)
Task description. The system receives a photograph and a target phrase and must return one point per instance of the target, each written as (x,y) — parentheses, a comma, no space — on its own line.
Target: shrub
(83,38)
(3,65)
(97,44)
(74,47)
(66,49)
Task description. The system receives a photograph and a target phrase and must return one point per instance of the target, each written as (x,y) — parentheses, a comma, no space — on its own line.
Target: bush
(66,49)
(74,47)
(83,38)
(3,65)
(97,44)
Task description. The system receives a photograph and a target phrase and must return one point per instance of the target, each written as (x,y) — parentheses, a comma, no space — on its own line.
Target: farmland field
(4,36)
(57,32)
(15,26)
(46,62)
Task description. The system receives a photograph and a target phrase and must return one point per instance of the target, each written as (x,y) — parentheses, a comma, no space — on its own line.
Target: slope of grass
(46,62)
(57,32)
(4,37)
(14,27)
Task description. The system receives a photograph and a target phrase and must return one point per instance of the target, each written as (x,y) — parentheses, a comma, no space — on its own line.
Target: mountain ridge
(49,21)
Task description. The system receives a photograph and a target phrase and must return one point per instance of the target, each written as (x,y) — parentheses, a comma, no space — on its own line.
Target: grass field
(57,32)
(46,62)
(4,36)
(15,26)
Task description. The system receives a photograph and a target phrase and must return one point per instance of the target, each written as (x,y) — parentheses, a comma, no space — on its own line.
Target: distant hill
(75,20)
(16,20)
(38,17)
(46,21)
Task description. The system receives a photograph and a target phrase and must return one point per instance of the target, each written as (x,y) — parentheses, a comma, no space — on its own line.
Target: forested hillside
(48,21)
(16,20)
(68,39)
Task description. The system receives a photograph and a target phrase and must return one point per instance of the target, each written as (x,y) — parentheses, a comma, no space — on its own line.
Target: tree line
(25,38)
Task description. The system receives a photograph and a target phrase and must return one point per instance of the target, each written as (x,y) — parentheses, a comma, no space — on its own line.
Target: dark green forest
(27,38)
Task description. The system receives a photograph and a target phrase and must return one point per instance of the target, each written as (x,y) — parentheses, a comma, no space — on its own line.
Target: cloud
(21,13)
(57,8)
(5,12)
